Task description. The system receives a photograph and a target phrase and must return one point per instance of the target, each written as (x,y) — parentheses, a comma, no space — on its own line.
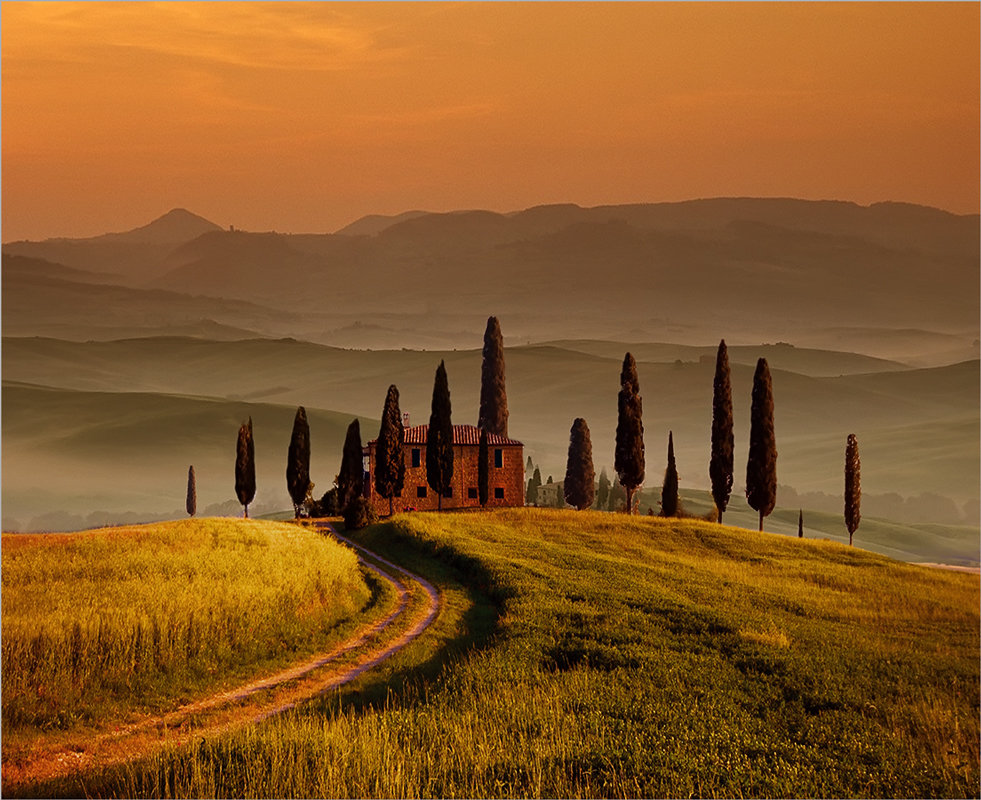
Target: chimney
(405,419)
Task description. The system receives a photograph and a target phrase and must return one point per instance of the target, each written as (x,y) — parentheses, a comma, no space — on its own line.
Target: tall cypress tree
(629,456)
(531,494)
(800,525)
(578,486)
(245,466)
(439,438)
(390,450)
(669,491)
(720,465)
(298,461)
(483,469)
(761,467)
(853,487)
(192,493)
(493,415)
(350,480)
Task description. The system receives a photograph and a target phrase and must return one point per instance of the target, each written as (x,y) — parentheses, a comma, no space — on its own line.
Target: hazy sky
(302,117)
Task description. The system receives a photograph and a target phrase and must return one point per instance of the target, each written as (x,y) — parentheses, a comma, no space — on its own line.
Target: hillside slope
(642,658)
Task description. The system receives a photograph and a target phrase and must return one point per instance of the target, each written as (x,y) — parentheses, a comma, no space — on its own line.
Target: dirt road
(253,702)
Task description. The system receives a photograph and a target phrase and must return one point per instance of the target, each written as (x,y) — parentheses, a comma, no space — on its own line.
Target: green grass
(636,657)
(101,624)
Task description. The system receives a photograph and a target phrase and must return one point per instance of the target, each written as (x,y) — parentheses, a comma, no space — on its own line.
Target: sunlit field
(104,623)
(636,657)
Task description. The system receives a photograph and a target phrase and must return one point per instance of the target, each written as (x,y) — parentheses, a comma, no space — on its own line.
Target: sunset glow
(305,116)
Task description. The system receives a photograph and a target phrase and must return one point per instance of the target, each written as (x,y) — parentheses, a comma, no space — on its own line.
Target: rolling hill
(917,429)
(710,268)
(73,459)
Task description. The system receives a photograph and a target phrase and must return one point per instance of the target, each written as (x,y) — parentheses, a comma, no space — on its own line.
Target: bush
(359,514)
(326,506)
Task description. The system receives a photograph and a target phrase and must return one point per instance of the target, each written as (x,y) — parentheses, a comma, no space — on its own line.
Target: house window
(415,459)
(448,492)
(472,493)
(420,491)
(498,458)
(498,492)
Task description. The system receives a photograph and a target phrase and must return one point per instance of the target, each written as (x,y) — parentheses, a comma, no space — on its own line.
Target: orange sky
(302,117)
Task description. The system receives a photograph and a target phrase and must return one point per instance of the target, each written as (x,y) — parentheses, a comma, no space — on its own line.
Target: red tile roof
(462,434)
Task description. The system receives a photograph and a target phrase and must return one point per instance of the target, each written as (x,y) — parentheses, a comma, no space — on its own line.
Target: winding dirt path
(249,703)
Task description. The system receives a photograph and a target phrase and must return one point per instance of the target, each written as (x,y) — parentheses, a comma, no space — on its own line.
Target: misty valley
(128,356)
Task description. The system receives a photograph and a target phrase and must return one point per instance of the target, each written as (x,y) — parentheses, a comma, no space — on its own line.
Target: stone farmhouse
(506,473)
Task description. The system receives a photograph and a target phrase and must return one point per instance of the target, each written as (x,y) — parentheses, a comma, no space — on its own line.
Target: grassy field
(103,624)
(635,657)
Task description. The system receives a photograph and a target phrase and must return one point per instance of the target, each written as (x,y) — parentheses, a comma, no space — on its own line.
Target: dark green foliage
(853,486)
(350,480)
(439,438)
(761,467)
(493,415)
(603,491)
(192,493)
(531,495)
(245,466)
(669,491)
(578,486)
(359,513)
(629,456)
(298,461)
(483,469)
(330,505)
(390,450)
(800,525)
(617,500)
(720,465)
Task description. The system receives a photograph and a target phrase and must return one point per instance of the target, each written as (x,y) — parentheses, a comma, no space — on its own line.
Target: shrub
(359,514)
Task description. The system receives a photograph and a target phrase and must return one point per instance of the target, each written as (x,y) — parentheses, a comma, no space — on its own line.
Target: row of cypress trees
(761,471)
(389,477)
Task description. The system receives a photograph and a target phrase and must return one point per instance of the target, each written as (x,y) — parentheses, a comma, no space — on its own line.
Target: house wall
(509,478)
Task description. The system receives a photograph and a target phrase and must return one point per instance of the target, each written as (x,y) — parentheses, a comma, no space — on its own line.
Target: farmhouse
(506,473)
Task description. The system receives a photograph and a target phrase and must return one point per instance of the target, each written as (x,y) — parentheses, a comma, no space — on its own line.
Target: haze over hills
(741,268)
(183,327)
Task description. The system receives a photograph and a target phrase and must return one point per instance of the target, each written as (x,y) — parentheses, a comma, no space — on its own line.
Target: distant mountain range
(750,268)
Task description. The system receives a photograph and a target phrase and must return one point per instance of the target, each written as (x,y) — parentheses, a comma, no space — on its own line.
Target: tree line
(579,488)
(761,463)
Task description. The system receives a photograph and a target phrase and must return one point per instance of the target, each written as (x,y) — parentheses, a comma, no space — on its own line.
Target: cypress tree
(617,494)
(761,467)
(350,480)
(439,438)
(629,456)
(390,450)
(531,495)
(298,461)
(669,491)
(192,493)
(603,491)
(720,465)
(578,486)
(483,469)
(853,486)
(245,466)
(493,414)
(800,525)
